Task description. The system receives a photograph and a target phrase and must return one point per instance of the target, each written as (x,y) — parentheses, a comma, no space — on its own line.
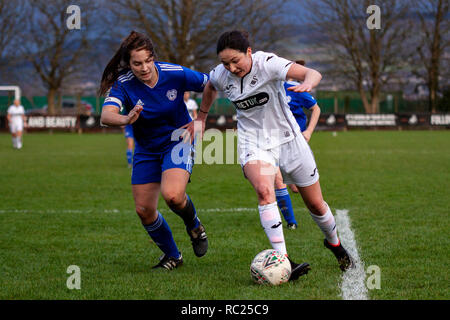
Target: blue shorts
(149,166)
(129,131)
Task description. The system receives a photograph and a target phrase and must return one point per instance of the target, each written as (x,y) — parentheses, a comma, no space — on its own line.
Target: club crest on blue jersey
(171,94)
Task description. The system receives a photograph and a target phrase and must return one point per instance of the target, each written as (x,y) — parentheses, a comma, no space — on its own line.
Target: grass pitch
(66,200)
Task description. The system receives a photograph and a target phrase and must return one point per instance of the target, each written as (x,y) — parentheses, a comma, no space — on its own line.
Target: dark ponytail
(120,61)
(237,40)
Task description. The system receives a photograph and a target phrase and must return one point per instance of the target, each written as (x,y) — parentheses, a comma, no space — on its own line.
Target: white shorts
(295,159)
(16,126)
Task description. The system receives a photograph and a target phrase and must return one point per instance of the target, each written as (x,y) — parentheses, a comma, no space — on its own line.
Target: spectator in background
(16,121)
(191,105)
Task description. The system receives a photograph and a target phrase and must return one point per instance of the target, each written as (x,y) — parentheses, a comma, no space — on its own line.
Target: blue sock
(285,205)
(161,234)
(129,156)
(189,215)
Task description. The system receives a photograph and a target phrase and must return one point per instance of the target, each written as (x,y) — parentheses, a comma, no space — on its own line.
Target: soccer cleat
(199,240)
(292,226)
(169,263)
(344,259)
(298,270)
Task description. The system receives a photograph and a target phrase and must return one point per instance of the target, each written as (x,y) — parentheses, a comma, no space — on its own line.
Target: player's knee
(293,188)
(174,199)
(265,193)
(317,207)
(146,214)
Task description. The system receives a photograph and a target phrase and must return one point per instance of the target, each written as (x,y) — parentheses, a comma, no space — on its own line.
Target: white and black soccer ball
(270,267)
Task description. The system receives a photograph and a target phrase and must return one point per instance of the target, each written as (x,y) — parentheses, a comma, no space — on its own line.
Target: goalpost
(16,89)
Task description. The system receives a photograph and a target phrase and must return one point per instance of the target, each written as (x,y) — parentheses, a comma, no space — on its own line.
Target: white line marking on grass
(255,209)
(164,210)
(57,211)
(353,285)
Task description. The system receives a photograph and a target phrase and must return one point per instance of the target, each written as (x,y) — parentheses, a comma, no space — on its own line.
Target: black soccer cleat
(292,226)
(169,263)
(298,270)
(344,259)
(199,240)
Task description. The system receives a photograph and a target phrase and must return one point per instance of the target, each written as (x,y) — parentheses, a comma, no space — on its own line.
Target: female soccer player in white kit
(16,121)
(269,136)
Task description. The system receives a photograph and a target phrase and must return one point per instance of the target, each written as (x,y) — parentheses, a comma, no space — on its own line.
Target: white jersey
(191,105)
(16,113)
(263,114)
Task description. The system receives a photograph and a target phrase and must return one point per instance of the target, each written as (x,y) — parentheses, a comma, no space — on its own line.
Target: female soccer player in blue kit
(151,93)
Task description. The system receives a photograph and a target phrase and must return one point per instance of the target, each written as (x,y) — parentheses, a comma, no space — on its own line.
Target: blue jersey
(163,107)
(297,101)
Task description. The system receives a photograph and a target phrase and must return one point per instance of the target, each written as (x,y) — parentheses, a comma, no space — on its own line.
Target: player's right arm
(112,117)
(310,78)
(114,103)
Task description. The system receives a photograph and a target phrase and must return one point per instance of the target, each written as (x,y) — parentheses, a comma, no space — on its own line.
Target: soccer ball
(270,267)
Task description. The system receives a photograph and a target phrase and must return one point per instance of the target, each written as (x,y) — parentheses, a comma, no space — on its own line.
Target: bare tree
(367,58)
(434,38)
(11,15)
(186,31)
(54,50)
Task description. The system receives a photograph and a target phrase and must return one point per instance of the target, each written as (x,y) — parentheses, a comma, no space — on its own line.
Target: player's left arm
(310,78)
(315,114)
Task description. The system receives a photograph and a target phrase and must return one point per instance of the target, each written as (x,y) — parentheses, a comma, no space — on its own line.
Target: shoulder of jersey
(127,76)
(218,69)
(264,56)
(218,72)
(170,67)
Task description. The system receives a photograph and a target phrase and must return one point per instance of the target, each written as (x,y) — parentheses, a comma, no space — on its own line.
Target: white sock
(271,222)
(19,142)
(14,142)
(327,224)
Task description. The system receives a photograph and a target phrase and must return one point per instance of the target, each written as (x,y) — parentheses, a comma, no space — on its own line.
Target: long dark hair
(121,60)
(237,40)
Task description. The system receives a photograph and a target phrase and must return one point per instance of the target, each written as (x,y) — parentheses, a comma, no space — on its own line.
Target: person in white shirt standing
(191,105)
(269,136)
(17,121)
